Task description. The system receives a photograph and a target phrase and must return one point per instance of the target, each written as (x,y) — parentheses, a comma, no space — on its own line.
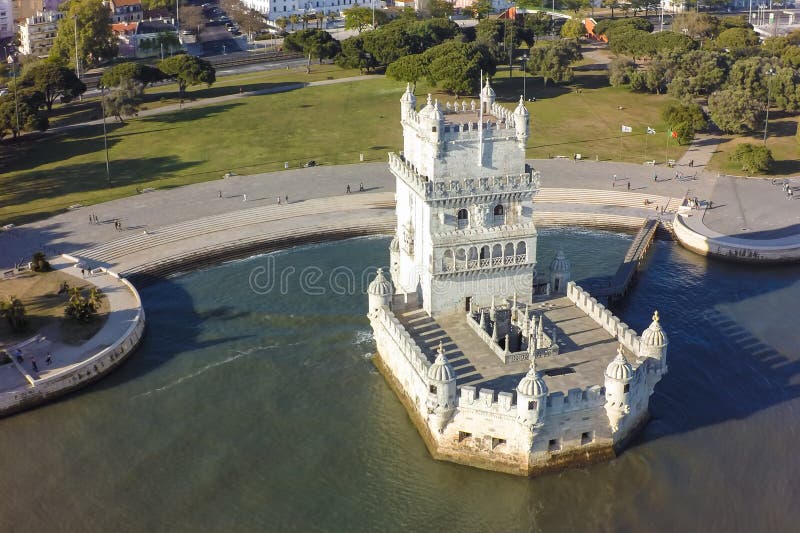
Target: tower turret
(653,342)
(380,292)
(487,97)
(441,390)
(521,124)
(560,273)
(531,392)
(408,102)
(619,375)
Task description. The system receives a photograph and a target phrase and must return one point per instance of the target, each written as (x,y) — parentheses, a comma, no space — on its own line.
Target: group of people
(244,198)
(34,365)
(360,188)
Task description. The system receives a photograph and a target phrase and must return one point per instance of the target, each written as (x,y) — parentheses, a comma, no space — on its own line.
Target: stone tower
(441,390)
(560,273)
(619,375)
(465,226)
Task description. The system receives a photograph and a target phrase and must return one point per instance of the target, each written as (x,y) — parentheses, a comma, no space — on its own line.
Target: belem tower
(499,365)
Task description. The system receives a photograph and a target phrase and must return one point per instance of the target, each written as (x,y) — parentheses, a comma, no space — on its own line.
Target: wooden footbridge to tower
(618,285)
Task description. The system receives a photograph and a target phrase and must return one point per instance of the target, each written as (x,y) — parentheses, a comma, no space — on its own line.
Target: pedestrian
(348,189)
(34,365)
(287,198)
(49,360)
(90,219)
(655,177)
(691,162)
(629,185)
(676,174)
(220,194)
(710,203)
(244,197)
(83,272)
(361,187)
(279,200)
(20,359)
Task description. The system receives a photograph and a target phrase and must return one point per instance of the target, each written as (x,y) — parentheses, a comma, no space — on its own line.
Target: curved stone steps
(603,197)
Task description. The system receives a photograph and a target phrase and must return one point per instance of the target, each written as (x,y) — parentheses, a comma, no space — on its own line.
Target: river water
(252,405)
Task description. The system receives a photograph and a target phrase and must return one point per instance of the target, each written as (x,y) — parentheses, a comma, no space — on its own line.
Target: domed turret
(488,97)
(521,117)
(436,114)
(441,390)
(531,391)
(408,102)
(380,292)
(426,111)
(560,273)
(654,341)
(619,369)
(619,374)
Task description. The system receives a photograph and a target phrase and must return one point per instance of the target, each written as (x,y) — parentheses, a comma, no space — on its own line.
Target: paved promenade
(738,203)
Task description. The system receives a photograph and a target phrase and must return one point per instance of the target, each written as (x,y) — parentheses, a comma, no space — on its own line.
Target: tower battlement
(521,185)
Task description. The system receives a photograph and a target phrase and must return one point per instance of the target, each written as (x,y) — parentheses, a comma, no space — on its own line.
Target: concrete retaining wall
(735,249)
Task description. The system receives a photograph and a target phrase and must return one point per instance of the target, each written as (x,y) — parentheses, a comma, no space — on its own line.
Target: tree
(698,25)
(734,110)
(187,70)
(481,8)
(52,81)
(410,69)
(670,41)
(142,74)
(738,38)
(573,29)
(440,8)
(39,263)
(619,71)
(353,55)
(22,115)
(685,119)
(552,61)
(96,43)
(753,158)
(124,100)
(535,25)
(313,43)
(192,19)
(80,307)
(456,66)
(612,5)
(697,73)
(358,18)
(13,310)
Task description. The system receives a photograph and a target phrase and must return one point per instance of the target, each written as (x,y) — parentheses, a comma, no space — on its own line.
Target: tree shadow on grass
(190,114)
(85,177)
(227,90)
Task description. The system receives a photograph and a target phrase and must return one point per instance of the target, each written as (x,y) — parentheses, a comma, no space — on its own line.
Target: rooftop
(121,3)
(585,347)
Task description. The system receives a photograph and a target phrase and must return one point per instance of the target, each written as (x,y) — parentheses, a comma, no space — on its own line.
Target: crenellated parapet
(524,185)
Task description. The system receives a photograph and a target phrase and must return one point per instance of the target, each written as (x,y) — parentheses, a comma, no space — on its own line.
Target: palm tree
(294,19)
(14,311)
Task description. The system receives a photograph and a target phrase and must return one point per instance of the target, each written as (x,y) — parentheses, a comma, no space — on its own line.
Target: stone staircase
(603,197)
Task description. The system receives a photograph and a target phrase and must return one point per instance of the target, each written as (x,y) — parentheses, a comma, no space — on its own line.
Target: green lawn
(781,140)
(331,124)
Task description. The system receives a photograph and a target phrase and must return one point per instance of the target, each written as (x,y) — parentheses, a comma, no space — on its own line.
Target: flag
(626,129)
(673,134)
(651,131)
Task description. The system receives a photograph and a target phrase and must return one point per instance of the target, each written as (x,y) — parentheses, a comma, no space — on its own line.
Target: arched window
(447,261)
(521,248)
(509,252)
(485,252)
(499,214)
(461,259)
(473,254)
(497,251)
(463,218)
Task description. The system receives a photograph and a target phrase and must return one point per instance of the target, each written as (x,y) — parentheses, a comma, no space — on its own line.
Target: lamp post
(105,135)
(77,61)
(770,73)
(13,62)
(524,75)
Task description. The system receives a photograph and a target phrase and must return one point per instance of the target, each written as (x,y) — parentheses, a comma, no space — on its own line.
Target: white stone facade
(37,33)
(465,236)
(6,18)
(275,9)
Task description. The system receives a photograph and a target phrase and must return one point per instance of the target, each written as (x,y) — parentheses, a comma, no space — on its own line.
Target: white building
(36,33)
(275,9)
(6,18)
(466,287)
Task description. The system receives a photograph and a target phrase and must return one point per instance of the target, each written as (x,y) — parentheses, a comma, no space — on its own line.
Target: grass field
(781,140)
(331,124)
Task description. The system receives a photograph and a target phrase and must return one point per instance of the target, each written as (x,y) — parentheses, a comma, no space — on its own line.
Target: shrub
(13,310)
(80,307)
(39,263)
(752,157)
